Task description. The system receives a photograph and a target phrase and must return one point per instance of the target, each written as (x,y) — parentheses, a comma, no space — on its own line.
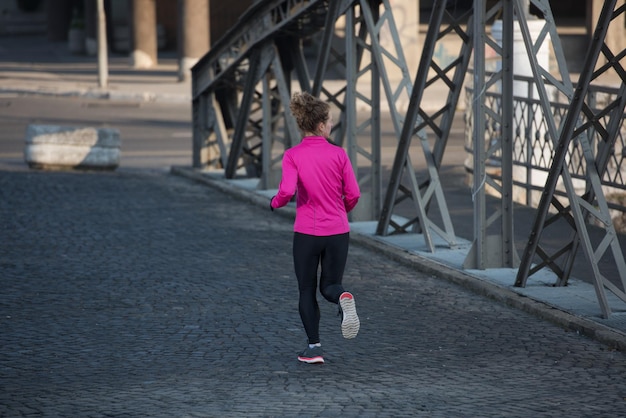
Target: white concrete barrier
(62,147)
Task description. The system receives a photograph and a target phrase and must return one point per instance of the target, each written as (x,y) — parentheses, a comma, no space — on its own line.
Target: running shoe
(311,355)
(350,324)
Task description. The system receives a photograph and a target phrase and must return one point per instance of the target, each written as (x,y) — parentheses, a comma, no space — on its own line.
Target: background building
(144,28)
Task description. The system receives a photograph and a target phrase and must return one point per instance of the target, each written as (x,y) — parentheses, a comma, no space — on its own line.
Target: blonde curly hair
(309,111)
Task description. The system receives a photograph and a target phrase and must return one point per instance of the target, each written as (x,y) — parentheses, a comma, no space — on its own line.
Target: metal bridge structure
(242,123)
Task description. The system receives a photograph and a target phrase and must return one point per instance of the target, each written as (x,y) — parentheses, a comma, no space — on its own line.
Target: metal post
(103,62)
(479,179)
(509,253)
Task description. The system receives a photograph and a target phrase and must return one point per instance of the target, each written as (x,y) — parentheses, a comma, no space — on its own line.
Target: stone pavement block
(49,147)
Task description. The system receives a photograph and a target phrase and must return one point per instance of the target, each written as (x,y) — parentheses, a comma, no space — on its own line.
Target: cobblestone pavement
(143,294)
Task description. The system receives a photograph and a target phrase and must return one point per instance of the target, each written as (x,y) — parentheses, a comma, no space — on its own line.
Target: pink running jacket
(327,188)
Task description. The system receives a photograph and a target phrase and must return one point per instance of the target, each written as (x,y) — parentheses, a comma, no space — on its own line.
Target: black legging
(308,252)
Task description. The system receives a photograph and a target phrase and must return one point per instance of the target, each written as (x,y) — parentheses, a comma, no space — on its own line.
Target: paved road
(137,293)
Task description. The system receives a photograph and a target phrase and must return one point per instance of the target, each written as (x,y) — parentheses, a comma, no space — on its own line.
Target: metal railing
(533,151)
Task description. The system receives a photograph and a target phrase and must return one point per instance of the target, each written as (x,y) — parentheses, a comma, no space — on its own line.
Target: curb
(102,95)
(566,320)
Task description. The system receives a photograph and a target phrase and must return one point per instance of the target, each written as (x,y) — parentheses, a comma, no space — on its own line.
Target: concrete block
(63,147)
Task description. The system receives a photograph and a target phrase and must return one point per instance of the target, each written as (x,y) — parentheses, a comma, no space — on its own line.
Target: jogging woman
(327,190)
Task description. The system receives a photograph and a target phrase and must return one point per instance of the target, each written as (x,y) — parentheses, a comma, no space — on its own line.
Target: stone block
(63,147)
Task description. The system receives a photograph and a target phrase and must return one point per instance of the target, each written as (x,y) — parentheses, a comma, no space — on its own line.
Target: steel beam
(593,202)
(417,120)
(241,88)
(490,244)
(258,64)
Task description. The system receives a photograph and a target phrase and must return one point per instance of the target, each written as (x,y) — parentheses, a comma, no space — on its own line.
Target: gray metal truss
(366,57)
(347,60)
(240,86)
(419,122)
(493,244)
(491,248)
(603,124)
(241,119)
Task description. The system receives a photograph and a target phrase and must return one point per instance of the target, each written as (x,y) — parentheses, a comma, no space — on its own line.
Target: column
(143,34)
(193,34)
